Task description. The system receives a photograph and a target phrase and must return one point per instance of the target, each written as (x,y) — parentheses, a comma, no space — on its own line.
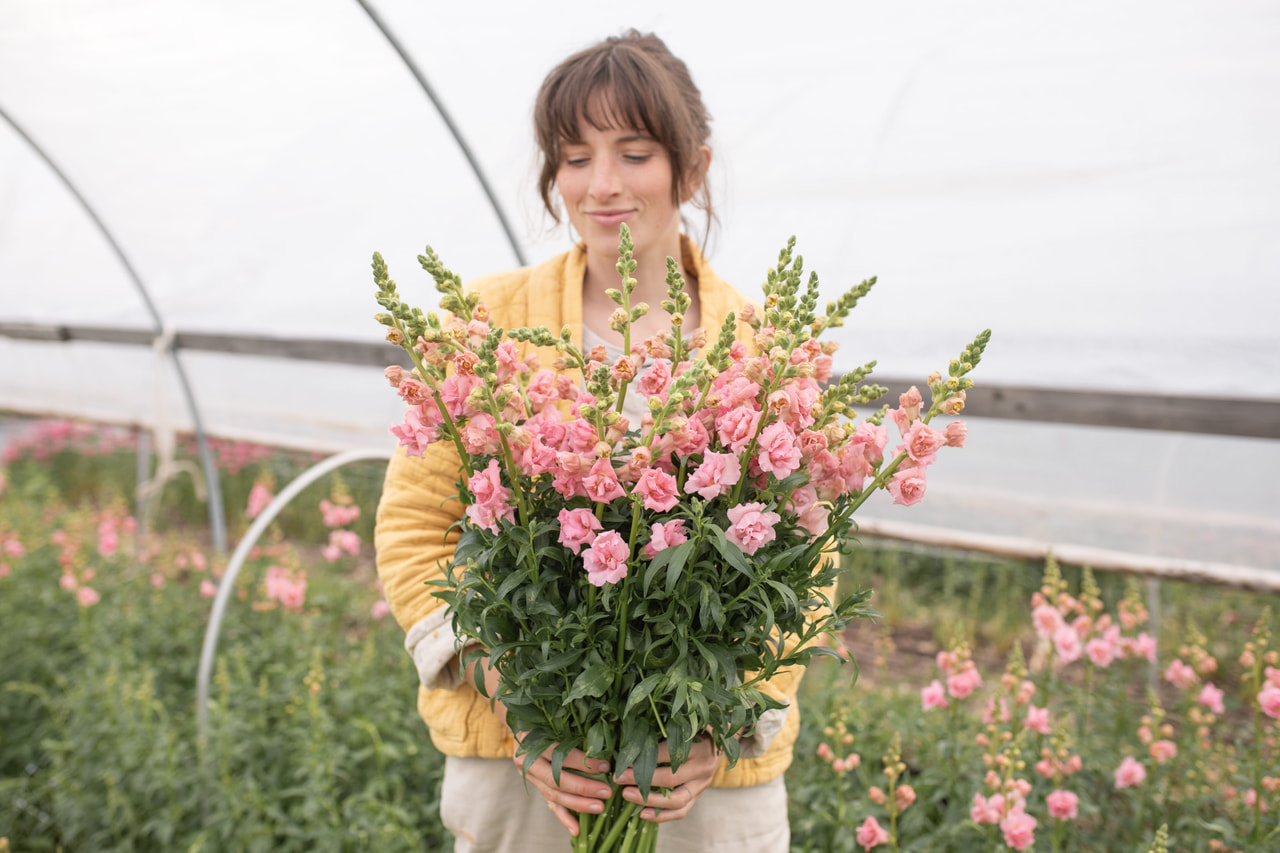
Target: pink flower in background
(904,796)
(1019,829)
(338,515)
(779,451)
(606,559)
(1063,805)
(964,682)
(108,540)
(157,580)
(1047,620)
(1067,643)
(1180,675)
(380,609)
(871,834)
(293,592)
(664,536)
(68,582)
(1163,750)
(260,497)
(577,528)
(1211,698)
(1100,652)
(86,596)
(13,547)
(1269,700)
(659,490)
(1273,675)
(715,475)
(933,696)
(751,526)
(1037,720)
(601,482)
(987,810)
(208,589)
(1130,773)
(908,485)
(341,541)
(1144,646)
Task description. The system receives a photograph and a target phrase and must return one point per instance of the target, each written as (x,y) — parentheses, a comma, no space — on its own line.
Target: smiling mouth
(609,215)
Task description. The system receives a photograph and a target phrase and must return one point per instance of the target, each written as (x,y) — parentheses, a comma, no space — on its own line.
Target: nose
(604,178)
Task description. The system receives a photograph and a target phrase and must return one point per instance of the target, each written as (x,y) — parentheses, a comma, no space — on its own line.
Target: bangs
(608,95)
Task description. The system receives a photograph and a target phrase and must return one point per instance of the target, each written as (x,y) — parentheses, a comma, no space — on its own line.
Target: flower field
(1000,706)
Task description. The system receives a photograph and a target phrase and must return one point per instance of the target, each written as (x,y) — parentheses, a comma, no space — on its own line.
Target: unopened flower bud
(677,319)
(602,449)
(598,353)
(521,438)
(394,374)
(618,320)
(559,364)
(698,338)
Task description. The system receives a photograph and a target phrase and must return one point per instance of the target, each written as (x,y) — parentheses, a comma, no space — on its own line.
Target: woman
(623,136)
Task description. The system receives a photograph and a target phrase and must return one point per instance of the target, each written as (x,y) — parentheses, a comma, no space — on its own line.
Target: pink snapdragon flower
(964,682)
(933,696)
(987,810)
(601,482)
(1163,750)
(1130,773)
(1269,700)
(259,498)
(664,536)
(714,477)
(922,443)
(1180,675)
(492,498)
(1211,698)
(752,526)
(1066,641)
(1019,829)
(1037,720)
(737,427)
(655,380)
(1047,620)
(380,609)
(659,490)
(779,453)
(338,515)
(955,433)
(577,528)
(1063,805)
(907,486)
(904,796)
(606,559)
(87,596)
(871,834)
(208,589)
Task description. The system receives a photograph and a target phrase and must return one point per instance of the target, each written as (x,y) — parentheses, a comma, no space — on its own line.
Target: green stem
(622,822)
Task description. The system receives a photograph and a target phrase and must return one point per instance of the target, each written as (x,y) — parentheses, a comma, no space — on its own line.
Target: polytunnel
(1097,182)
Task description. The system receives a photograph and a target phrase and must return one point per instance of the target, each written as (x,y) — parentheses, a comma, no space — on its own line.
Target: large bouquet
(635,584)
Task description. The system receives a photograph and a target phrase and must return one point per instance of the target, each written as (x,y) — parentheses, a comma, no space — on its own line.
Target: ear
(697,174)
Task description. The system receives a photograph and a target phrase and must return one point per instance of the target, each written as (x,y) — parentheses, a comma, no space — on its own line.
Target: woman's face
(612,176)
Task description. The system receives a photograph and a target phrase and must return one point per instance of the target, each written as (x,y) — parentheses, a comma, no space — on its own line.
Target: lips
(609,218)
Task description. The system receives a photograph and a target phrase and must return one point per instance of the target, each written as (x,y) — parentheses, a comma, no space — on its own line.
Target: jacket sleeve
(414,538)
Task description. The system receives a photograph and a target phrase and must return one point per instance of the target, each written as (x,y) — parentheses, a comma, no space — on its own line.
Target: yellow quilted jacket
(416,510)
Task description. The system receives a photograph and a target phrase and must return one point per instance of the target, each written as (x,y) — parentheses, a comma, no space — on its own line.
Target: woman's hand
(685,785)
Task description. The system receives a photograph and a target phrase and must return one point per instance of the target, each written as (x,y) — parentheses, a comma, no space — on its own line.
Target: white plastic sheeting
(1097,181)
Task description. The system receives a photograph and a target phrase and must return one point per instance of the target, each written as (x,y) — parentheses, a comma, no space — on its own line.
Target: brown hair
(626,81)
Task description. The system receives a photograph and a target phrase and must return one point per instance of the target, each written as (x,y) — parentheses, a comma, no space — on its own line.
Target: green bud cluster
(452,296)
(838,399)
(970,357)
(837,311)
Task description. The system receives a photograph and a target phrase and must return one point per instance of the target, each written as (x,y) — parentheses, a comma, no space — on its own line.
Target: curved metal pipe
(217,522)
(228,581)
(453,128)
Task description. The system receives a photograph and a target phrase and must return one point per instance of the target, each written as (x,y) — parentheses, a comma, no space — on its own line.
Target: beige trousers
(484,802)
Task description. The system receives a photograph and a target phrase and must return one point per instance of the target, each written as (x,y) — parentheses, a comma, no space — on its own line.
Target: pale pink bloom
(208,589)
(68,582)
(659,489)
(737,427)
(338,515)
(1064,805)
(1180,675)
(260,497)
(738,392)
(933,696)
(1251,799)
(664,536)
(541,389)
(1269,700)
(13,547)
(1273,675)
(1037,720)
(601,482)
(655,380)
(1130,773)
(577,528)
(275,581)
(877,796)
(606,559)
(779,454)
(293,593)
(455,390)
(922,443)
(1026,690)
(1067,643)
(1019,829)
(837,765)
(480,436)
(904,796)
(873,439)
(1144,646)
(1047,767)
(688,440)
(1047,620)
(955,433)
(947,661)
(1163,750)
(752,526)
(908,410)
(964,682)
(345,540)
(986,810)
(157,580)
(871,834)
(717,473)
(907,485)
(815,519)
(1100,652)
(380,609)
(825,753)
(1211,698)
(332,553)
(87,596)
(508,361)
(1073,765)
(108,541)
(414,433)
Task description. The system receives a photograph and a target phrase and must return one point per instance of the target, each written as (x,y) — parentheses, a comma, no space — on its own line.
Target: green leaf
(678,560)
(592,681)
(642,690)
